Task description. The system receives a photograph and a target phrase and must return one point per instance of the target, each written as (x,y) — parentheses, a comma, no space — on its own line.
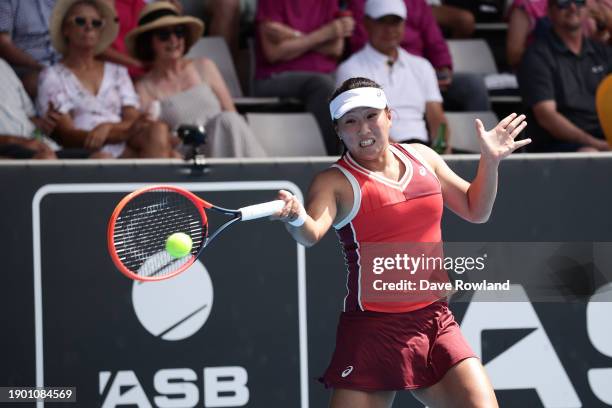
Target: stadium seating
(217,50)
(287,134)
(472,55)
(463,130)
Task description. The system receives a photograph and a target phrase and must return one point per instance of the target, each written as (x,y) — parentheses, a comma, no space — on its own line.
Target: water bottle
(439,144)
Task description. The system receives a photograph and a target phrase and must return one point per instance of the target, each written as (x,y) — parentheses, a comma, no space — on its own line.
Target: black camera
(192,135)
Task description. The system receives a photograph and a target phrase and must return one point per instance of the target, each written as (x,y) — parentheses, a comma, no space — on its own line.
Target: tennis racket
(144,219)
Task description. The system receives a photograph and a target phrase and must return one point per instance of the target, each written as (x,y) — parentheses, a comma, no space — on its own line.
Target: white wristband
(300,220)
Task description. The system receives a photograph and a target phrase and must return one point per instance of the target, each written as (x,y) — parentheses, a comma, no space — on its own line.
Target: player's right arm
(321,207)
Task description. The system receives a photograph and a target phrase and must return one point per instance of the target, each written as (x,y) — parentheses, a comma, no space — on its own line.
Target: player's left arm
(474,201)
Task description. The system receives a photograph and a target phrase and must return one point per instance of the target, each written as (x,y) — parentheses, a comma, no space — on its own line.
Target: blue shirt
(27,22)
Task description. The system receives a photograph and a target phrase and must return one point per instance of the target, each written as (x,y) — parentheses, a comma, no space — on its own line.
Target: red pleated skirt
(395,351)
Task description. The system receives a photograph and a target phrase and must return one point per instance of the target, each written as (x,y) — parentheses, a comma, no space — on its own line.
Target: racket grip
(252,212)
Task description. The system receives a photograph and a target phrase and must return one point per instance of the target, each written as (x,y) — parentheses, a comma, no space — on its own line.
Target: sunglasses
(83,21)
(563,4)
(164,34)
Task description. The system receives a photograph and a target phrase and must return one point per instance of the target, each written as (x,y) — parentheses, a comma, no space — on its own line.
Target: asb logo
(175,308)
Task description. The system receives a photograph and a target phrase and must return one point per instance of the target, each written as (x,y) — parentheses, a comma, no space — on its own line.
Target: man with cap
(463,91)
(408,80)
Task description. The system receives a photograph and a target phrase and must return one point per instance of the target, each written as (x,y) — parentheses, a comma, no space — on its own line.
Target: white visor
(357,98)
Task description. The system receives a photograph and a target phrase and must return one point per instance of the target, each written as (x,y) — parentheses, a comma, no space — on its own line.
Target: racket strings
(144,225)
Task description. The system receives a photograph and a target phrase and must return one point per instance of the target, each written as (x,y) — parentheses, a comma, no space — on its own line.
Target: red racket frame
(198,202)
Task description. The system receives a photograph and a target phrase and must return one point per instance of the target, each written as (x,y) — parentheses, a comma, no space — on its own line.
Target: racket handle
(252,212)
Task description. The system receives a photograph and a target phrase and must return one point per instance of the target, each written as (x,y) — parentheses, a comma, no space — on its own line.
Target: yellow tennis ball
(179,245)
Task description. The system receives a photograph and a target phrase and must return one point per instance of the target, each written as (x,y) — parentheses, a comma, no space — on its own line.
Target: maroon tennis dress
(391,345)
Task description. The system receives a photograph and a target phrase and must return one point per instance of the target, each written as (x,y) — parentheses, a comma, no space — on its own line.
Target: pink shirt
(538,9)
(535,10)
(127,12)
(590,26)
(305,16)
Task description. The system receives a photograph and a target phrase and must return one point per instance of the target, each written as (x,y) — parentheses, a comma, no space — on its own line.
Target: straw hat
(163,14)
(107,34)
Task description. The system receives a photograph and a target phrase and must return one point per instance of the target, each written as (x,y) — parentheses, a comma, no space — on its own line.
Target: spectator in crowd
(178,5)
(523,18)
(225,22)
(19,125)
(233,20)
(460,23)
(299,44)
(96,100)
(422,37)
(188,92)
(558,78)
(127,13)
(409,81)
(18,147)
(528,18)
(599,23)
(23,135)
(24,38)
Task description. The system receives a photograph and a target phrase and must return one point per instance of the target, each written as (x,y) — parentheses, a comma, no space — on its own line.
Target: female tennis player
(384,192)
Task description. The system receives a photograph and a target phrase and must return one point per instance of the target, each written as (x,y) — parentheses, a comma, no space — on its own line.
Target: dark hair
(353,83)
(143,47)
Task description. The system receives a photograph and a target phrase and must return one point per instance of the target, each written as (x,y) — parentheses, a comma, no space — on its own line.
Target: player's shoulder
(419,147)
(331,179)
(330,176)
(423,153)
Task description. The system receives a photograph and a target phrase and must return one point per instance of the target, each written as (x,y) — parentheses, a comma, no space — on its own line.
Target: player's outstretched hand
(499,142)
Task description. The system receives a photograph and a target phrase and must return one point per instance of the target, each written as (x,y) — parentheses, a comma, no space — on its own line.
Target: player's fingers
(284,195)
(294,213)
(521,143)
(479,125)
(505,121)
(518,130)
(515,123)
(288,209)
